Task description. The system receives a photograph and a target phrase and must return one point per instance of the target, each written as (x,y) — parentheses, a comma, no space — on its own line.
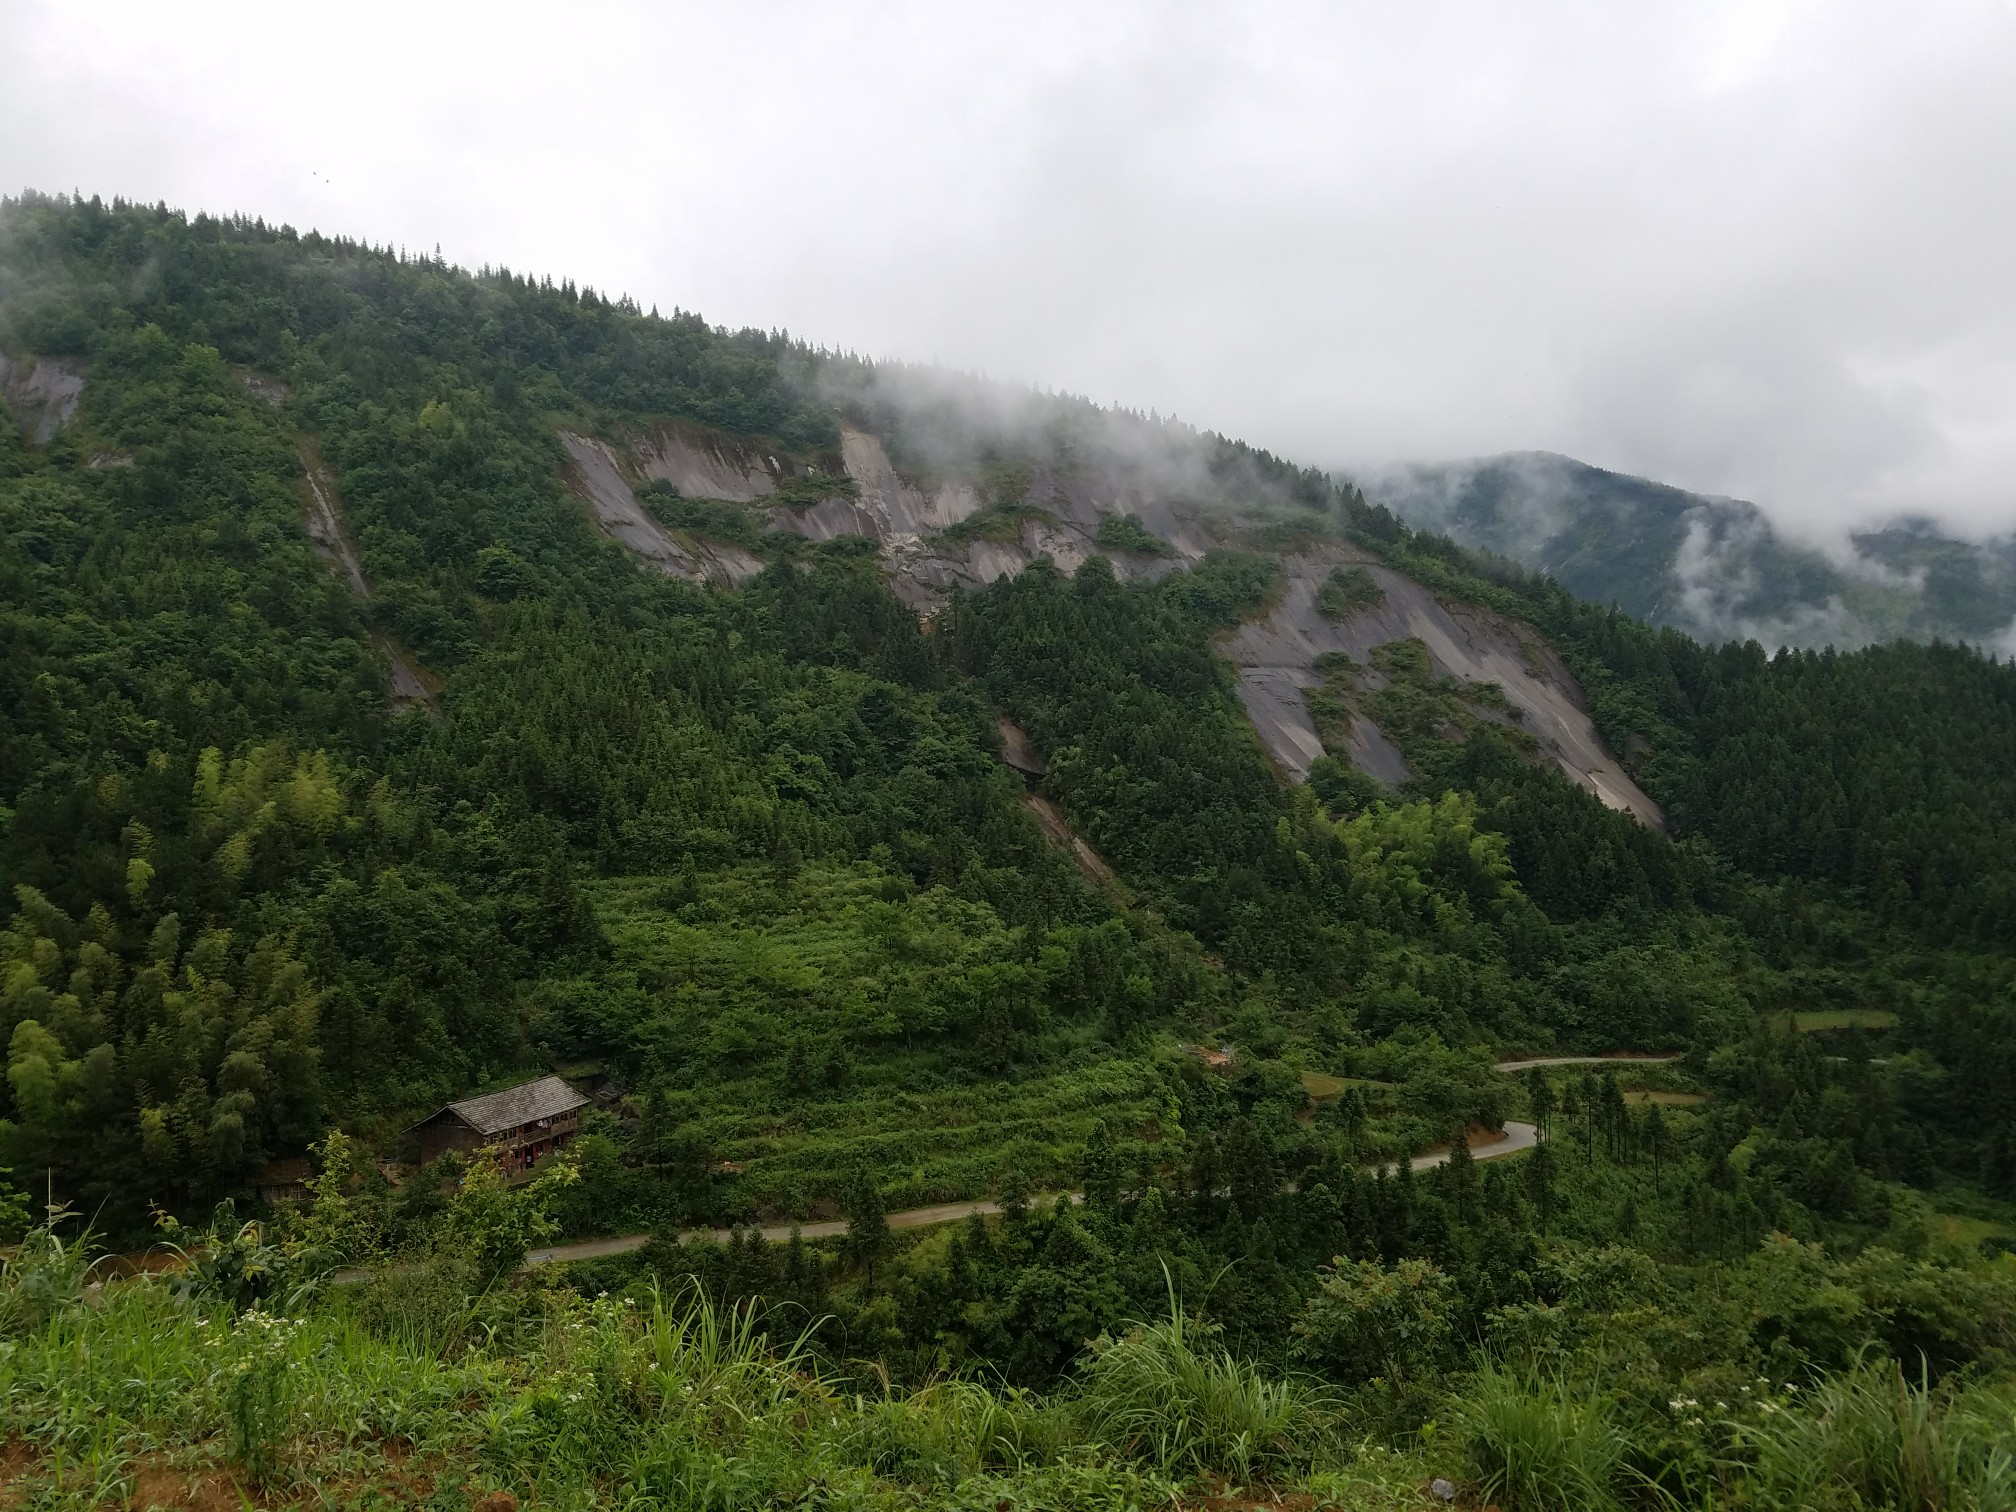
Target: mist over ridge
(1755,251)
(1716,568)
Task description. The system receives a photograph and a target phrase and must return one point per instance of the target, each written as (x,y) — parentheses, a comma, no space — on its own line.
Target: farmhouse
(280,1182)
(522,1125)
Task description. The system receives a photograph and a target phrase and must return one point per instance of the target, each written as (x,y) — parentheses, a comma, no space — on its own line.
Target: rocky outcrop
(1060,517)
(1091,865)
(1018,750)
(42,392)
(598,477)
(266,388)
(703,465)
(931,540)
(325,526)
(1276,656)
(884,506)
(408,684)
(909,521)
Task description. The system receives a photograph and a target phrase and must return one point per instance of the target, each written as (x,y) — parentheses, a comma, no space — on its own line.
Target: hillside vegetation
(290,863)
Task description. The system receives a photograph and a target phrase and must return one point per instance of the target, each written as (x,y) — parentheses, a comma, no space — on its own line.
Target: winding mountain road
(1510,1068)
(1515,1138)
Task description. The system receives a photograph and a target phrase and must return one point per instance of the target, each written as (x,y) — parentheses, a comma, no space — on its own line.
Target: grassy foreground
(424,1389)
(413,1393)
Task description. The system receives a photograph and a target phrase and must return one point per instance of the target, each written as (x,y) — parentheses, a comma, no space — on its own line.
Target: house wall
(518,1150)
(439,1137)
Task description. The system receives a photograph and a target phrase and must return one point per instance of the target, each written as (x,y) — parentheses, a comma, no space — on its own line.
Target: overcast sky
(1760,249)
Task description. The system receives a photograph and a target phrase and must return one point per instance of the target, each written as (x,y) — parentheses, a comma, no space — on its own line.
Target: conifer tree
(1100,1170)
(867,1223)
(1540,1100)
(1540,1182)
(1460,1181)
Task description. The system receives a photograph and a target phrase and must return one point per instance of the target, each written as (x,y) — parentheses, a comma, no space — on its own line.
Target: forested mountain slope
(274,899)
(414,680)
(1714,568)
(1150,499)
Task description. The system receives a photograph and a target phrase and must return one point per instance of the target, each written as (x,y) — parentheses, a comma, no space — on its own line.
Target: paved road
(1510,1067)
(1517,1136)
(831,1228)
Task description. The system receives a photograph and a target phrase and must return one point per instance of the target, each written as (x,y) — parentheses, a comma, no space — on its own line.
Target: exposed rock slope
(325,527)
(408,684)
(1276,657)
(42,392)
(599,477)
(706,466)
(939,534)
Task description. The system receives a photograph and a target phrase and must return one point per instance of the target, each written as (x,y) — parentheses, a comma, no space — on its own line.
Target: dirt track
(1517,1137)
(1510,1068)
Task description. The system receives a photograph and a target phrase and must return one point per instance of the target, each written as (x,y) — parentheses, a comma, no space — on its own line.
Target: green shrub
(718,519)
(701,1359)
(1346,591)
(492,1224)
(949,1431)
(996,522)
(1369,1320)
(1536,1445)
(257,1391)
(1343,789)
(1163,1392)
(1871,1438)
(802,490)
(44,1275)
(1125,532)
(236,1264)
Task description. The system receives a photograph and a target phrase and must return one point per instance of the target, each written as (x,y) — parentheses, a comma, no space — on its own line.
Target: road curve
(1517,1137)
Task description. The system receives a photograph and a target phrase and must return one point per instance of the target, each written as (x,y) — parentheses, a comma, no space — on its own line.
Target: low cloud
(1754,249)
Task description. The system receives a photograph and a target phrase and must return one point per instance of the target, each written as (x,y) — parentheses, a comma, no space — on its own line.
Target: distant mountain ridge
(1713,567)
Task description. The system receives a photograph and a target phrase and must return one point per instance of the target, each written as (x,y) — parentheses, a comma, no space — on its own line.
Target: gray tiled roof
(528,1102)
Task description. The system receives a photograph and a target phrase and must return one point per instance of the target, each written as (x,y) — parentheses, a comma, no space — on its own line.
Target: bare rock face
(598,478)
(597,475)
(266,388)
(925,555)
(42,391)
(1276,657)
(1091,865)
(703,466)
(325,528)
(408,684)
(1018,750)
(886,506)
(1060,517)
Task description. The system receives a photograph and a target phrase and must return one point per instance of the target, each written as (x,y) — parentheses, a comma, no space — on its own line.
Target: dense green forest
(749,862)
